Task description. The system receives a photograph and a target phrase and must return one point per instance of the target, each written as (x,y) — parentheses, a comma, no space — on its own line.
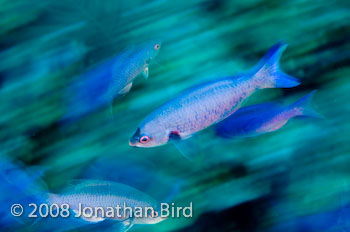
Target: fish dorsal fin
(126,52)
(88,182)
(76,184)
(102,187)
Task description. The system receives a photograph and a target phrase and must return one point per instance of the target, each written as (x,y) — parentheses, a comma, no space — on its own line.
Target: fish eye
(144,139)
(157,46)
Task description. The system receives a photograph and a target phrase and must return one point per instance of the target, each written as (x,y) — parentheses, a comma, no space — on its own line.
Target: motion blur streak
(276,181)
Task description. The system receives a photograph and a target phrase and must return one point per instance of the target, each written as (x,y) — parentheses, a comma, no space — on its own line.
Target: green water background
(44,46)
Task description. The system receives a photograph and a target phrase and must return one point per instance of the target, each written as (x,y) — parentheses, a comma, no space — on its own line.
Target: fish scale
(201,107)
(130,65)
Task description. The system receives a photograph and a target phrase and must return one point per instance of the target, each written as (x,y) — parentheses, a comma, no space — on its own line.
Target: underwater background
(293,179)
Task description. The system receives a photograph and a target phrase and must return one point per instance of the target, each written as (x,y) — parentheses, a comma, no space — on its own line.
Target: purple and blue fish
(101,84)
(262,118)
(210,103)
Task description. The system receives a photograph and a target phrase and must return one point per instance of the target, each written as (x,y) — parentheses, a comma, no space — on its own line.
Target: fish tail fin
(303,106)
(268,73)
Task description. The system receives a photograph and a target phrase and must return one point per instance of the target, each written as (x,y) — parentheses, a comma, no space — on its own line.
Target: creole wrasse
(211,102)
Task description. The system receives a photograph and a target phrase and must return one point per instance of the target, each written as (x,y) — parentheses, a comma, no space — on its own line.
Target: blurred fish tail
(268,73)
(303,106)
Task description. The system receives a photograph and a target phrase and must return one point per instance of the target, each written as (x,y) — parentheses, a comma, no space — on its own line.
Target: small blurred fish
(101,84)
(211,102)
(99,193)
(263,118)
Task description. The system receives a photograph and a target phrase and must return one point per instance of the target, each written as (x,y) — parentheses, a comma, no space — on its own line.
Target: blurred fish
(99,193)
(101,84)
(263,118)
(211,102)
(19,185)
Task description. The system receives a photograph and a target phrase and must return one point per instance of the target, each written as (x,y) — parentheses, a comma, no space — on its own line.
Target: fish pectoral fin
(127,224)
(126,89)
(184,148)
(145,73)
(92,219)
(183,145)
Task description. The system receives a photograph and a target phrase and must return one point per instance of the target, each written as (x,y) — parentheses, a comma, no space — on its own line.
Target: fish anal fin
(127,224)
(126,89)
(145,73)
(92,219)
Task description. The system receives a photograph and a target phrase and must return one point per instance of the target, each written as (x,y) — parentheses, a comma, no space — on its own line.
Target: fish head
(151,49)
(148,137)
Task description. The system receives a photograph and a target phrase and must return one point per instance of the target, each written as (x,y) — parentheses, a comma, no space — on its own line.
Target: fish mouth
(132,144)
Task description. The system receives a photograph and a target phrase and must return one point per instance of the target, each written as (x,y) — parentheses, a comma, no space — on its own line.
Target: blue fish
(102,83)
(258,119)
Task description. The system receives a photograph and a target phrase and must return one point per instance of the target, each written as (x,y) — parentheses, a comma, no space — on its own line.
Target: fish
(210,102)
(262,118)
(111,78)
(102,193)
